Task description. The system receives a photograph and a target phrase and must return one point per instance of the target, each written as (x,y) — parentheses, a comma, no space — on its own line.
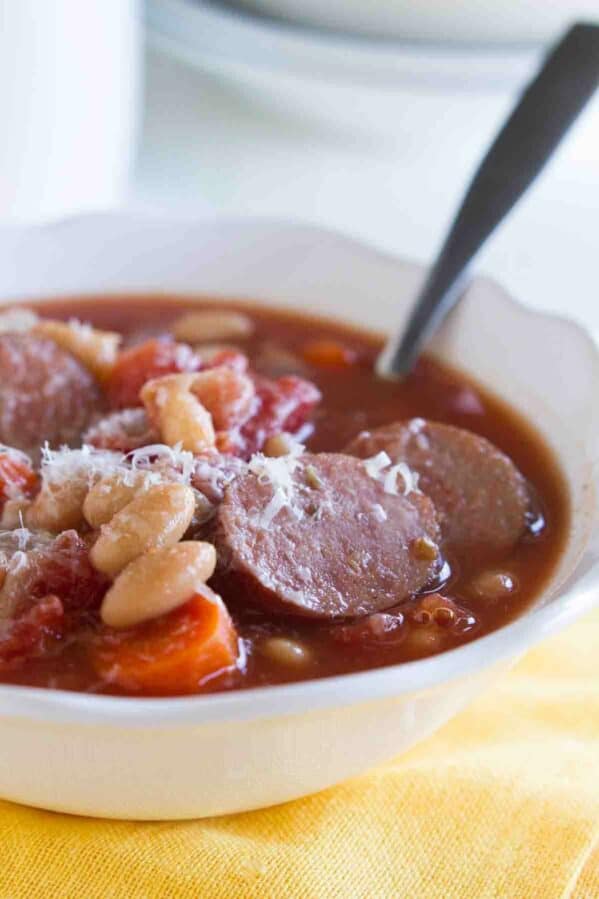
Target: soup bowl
(208,755)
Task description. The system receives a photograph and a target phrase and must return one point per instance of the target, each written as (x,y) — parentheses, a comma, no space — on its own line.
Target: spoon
(545,111)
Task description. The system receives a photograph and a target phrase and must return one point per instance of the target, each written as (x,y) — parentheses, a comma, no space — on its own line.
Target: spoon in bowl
(545,111)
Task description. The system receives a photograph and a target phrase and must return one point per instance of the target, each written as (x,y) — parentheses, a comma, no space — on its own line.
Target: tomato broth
(270,636)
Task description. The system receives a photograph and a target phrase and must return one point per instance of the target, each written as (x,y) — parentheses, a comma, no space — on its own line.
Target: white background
(386,165)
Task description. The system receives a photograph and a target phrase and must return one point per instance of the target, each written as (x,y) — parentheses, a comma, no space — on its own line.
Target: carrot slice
(16,477)
(141,363)
(171,654)
(328,354)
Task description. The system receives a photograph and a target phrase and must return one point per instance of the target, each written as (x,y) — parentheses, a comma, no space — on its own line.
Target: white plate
(194,756)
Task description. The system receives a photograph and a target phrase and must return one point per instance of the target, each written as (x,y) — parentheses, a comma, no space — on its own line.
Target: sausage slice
(45,393)
(481,498)
(319,536)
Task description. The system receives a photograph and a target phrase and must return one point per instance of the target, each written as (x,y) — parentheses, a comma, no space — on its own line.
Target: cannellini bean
(112,493)
(280,445)
(97,350)
(276,360)
(284,651)
(58,506)
(158,582)
(493,585)
(13,513)
(227,394)
(424,640)
(156,518)
(197,327)
(178,414)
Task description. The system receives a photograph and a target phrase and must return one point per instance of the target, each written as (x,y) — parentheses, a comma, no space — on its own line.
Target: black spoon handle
(544,113)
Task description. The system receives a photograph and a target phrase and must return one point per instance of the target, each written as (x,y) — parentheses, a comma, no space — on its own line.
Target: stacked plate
(436,20)
(472,43)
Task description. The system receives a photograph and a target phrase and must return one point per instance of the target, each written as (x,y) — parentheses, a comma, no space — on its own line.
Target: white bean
(157,582)
(286,652)
(156,518)
(197,327)
(178,413)
(95,349)
(112,493)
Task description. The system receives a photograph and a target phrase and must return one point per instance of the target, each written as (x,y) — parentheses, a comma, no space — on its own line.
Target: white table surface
(387,166)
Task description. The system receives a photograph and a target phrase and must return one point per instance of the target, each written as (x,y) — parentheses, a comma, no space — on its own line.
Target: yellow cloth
(503,802)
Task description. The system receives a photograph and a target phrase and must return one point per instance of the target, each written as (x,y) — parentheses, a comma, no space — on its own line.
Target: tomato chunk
(229,357)
(32,633)
(61,568)
(173,653)
(284,405)
(141,363)
(17,478)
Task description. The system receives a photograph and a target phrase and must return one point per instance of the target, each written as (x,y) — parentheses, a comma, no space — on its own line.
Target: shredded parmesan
(375,465)
(17,321)
(379,468)
(379,512)
(409,477)
(87,463)
(18,562)
(23,536)
(182,461)
(84,329)
(278,471)
(416,427)
(279,500)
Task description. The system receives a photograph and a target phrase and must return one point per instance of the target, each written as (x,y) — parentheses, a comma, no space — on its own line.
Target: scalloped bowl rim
(62,706)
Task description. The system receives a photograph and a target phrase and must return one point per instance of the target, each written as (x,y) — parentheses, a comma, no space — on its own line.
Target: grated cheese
(379,512)
(416,427)
(22,535)
(18,562)
(278,501)
(278,471)
(86,463)
(409,477)
(84,329)
(375,465)
(379,468)
(17,321)
(182,461)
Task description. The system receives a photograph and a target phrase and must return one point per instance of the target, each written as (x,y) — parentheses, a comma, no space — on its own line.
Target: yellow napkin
(503,802)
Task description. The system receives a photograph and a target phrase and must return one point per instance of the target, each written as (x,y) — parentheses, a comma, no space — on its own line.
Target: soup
(203,496)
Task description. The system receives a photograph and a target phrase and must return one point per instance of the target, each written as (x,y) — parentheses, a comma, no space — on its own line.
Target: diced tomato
(141,363)
(62,568)
(328,354)
(231,358)
(171,654)
(17,478)
(31,633)
(285,405)
(124,431)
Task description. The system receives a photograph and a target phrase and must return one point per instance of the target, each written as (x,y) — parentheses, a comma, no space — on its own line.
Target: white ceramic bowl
(195,756)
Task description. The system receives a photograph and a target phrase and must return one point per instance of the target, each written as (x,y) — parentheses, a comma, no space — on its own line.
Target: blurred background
(364,117)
